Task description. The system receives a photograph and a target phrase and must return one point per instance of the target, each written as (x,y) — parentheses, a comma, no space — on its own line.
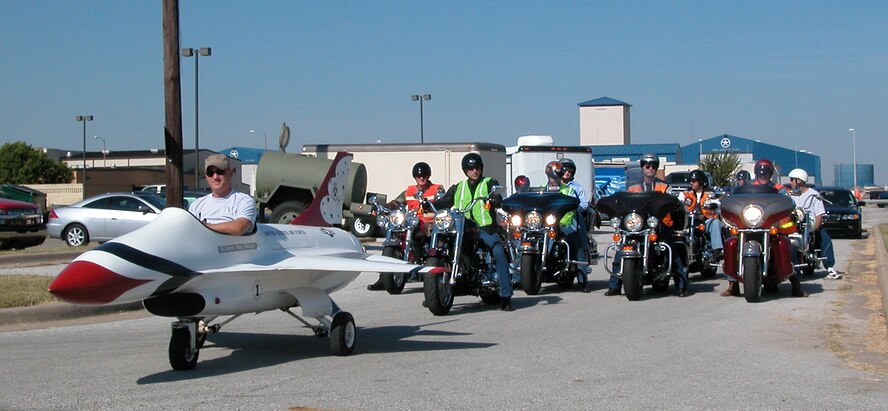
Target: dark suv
(21,224)
(843,216)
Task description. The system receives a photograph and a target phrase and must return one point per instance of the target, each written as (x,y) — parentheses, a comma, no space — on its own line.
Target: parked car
(883,196)
(21,224)
(102,217)
(843,217)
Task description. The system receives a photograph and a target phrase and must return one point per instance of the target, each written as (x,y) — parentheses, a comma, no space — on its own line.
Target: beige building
(604,122)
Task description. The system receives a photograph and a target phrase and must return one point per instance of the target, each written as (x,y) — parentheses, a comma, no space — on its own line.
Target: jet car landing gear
(341,330)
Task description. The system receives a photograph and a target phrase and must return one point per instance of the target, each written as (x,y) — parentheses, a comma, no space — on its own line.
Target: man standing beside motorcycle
(460,195)
(698,199)
(570,171)
(649,164)
(568,224)
(424,188)
(808,199)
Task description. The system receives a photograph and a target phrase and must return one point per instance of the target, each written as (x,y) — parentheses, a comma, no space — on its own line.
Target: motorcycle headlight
(633,222)
(652,222)
(515,220)
(615,223)
(398,219)
(551,220)
(752,215)
(533,220)
(443,220)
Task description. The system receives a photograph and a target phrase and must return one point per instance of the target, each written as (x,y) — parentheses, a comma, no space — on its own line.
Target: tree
(22,164)
(721,165)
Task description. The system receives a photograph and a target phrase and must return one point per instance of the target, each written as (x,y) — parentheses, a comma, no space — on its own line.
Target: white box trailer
(531,161)
(389,166)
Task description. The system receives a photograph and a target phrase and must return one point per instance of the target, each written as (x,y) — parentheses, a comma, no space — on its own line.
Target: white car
(102,217)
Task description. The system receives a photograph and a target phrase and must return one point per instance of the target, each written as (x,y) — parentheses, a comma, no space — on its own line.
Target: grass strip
(24,290)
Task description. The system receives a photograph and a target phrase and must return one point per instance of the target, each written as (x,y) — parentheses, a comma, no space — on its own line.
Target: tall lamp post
(104,151)
(420,98)
(264,138)
(196,53)
(854,158)
(84,119)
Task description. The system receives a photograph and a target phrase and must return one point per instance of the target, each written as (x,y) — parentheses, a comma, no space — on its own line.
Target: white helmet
(799,174)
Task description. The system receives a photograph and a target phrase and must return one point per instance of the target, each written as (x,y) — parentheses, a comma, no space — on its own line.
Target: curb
(60,311)
(882,259)
(38,259)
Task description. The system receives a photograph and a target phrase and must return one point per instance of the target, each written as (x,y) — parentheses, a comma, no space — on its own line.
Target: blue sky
(793,73)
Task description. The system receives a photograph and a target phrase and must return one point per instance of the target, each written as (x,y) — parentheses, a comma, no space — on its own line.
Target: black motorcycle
(699,256)
(643,224)
(455,243)
(537,242)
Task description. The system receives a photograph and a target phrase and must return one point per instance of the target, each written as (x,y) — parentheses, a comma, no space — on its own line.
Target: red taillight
(52,214)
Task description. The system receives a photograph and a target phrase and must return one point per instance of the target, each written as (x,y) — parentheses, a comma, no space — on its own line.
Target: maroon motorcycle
(758,254)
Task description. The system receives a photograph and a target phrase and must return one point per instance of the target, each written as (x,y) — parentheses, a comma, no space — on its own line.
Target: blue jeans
(495,244)
(826,247)
(714,228)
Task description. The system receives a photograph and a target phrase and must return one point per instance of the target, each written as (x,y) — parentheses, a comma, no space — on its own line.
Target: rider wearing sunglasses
(225,210)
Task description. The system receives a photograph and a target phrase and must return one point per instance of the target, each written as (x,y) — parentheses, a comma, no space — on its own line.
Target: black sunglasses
(214,170)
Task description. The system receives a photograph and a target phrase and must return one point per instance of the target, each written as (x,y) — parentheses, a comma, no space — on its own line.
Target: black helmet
(743,175)
(649,158)
(699,176)
(422,169)
(569,164)
(554,169)
(472,160)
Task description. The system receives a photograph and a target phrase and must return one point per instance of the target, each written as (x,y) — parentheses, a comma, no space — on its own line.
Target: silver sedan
(102,217)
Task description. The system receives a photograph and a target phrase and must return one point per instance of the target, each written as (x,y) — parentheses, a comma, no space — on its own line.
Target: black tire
(491,298)
(632,278)
(393,282)
(361,228)
(181,356)
(287,211)
(661,286)
(438,291)
(566,280)
(708,271)
(808,270)
(531,275)
(343,334)
(752,279)
(75,235)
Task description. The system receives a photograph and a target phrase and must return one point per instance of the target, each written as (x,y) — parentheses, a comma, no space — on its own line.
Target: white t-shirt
(809,202)
(223,209)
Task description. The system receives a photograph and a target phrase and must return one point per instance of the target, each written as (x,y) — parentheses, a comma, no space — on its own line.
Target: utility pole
(172,83)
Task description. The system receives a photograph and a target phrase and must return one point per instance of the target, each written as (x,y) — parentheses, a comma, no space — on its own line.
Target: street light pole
(84,119)
(854,158)
(264,138)
(104,151)
(196,53)
(420,98)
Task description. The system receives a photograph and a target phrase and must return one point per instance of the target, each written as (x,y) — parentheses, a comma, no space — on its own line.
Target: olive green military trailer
(389,168)
(286,184)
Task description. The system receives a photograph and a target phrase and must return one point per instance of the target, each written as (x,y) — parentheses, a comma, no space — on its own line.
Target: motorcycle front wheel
(752,279)
(531,277)
(632,278)
(438,291)
(394,282)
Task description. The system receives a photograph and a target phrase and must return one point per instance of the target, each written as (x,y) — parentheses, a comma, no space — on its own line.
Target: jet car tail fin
(326,209)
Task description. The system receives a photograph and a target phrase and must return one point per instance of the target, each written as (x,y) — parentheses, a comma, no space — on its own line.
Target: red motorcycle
(758,254)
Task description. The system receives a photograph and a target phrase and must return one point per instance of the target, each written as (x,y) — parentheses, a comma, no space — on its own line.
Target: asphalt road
(558,350)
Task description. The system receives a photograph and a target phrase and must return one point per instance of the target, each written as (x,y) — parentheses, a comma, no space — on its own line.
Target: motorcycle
(759,219)
(641,223)
(537,242)
(400,225)
(455,244)
(699,254)
(803,243)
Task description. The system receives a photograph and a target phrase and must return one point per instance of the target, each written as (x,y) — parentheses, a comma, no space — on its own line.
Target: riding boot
(797,287)
(377,286)
(506,304)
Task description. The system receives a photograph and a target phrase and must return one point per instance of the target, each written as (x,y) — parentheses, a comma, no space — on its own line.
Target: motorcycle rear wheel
(438,291)
(632,279)
(394,282)
(752,279)
(531,277)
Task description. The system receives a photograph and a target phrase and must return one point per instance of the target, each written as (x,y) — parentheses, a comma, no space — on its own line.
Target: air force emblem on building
(725,142)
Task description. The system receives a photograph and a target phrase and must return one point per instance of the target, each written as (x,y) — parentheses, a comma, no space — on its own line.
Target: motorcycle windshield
(774,205)
(553,202)
(649,203)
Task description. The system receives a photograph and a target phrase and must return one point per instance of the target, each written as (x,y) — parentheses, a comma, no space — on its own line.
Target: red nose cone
(84,282)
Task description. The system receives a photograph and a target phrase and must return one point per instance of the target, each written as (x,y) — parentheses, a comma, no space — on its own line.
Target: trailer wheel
(285,212)
(361,228)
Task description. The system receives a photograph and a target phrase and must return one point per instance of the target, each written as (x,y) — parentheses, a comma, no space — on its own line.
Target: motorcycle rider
(567,177)
(522,184)
(809,200)
(649,164)
(699,198)
(422,174)
(764,171)
(460,195)
(569,222)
